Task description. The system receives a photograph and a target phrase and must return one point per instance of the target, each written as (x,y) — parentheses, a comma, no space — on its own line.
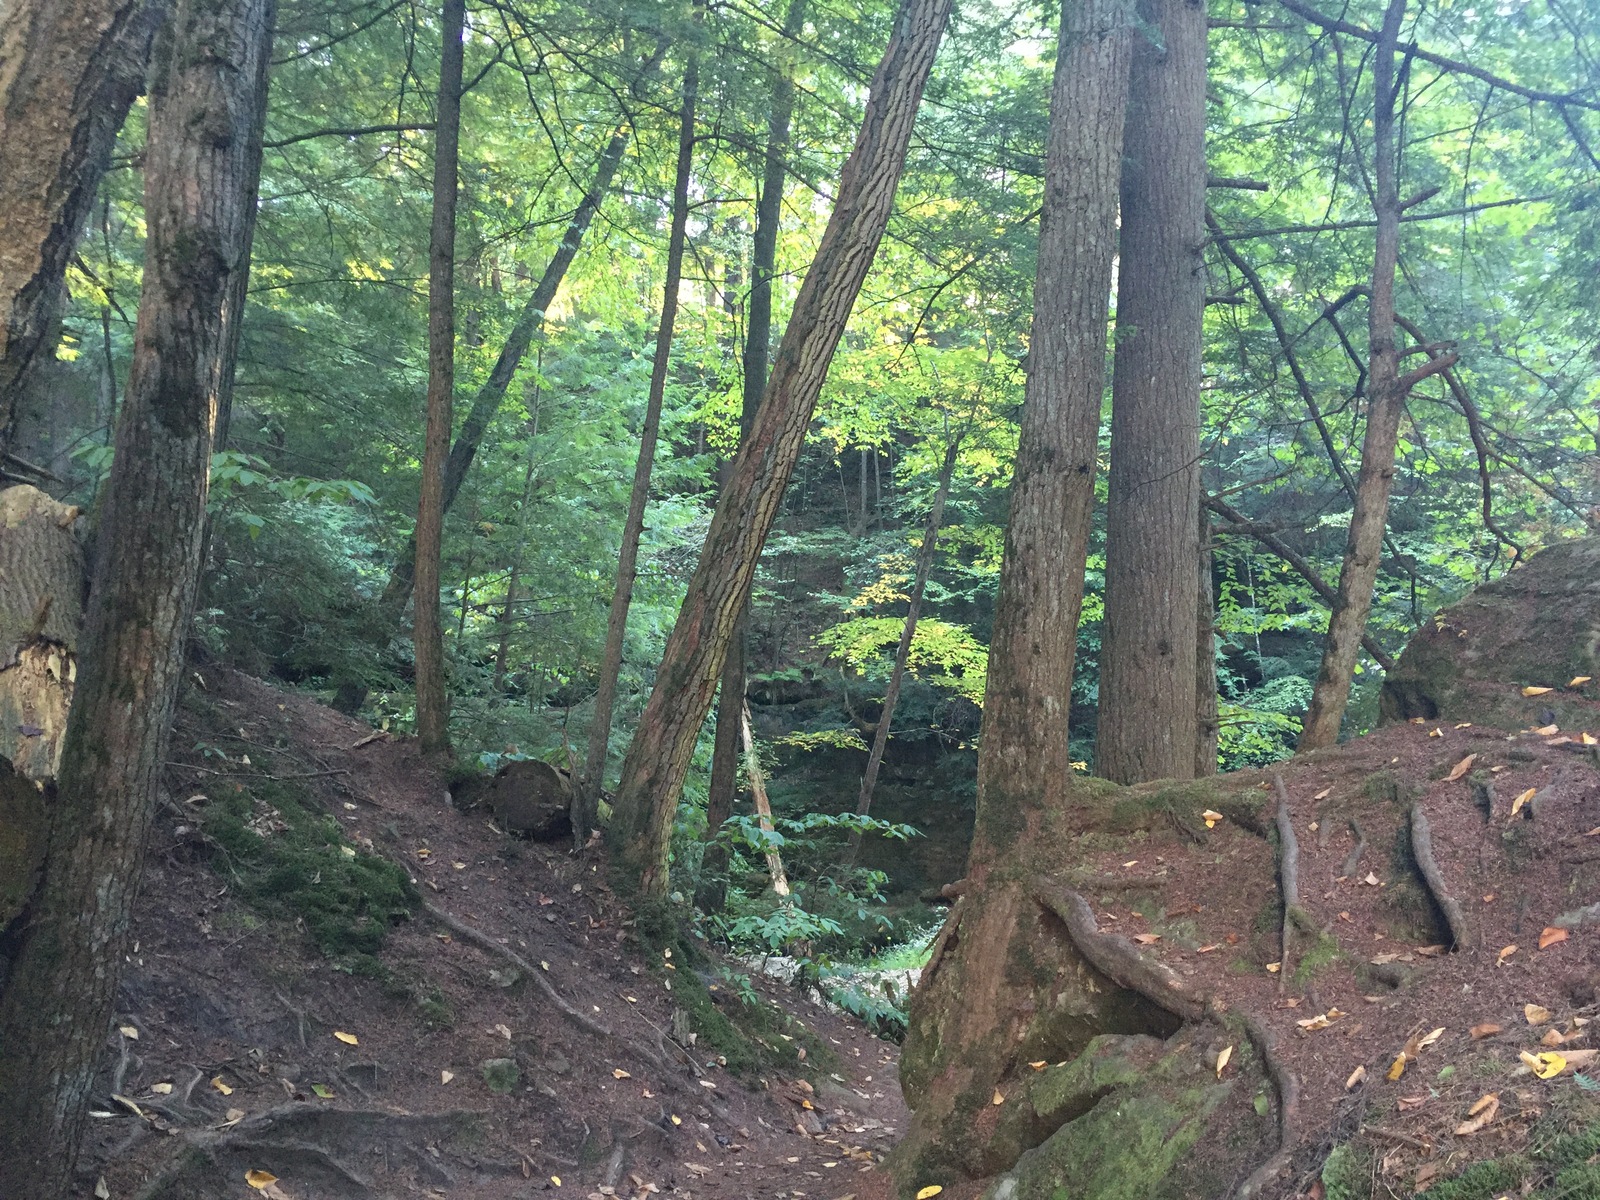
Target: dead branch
(1422,850)
(1115,957)
(1288,1088)
(1288,877)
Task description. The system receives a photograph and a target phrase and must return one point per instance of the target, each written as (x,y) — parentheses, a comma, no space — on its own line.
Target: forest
(818,468)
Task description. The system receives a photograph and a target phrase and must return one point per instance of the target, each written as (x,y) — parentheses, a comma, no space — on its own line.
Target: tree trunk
(757,349)
(1147,666)
(658,759)
(68,74)
(902,653)
(586,796)
(1387,392)
(758,794)
(963,1014)
(433,700)
(1208,725)
(502,654)
(203,164)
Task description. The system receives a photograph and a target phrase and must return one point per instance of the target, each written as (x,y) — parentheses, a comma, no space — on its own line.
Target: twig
(1394,1135)
(1288,1088)
(1288,878)
(1349,868)
(258,774)
(1422,851)
(368,740)
(1115,957)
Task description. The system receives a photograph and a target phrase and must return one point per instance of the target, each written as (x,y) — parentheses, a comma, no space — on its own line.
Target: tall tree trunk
(758,793)
(203,164)
(658,759)
(1387,390)
(1147,662)
(433,701)
(908,632)
(68,74)
(502,655)
(963,1013)
(757,350)
(586,796)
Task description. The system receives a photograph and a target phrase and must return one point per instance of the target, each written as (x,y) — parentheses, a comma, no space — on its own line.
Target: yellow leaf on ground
(619,1073)
(927,1193)
(998,1097)
(1437,733)
(1480,1115)
(1516,805)
(1537,1014)
(129,1032)
(676,1119)
(1551,936)
(1323,794)
(1535,691)
(1483,1103)
(1222,1059)
(260,1179)
(1578,681)
(1040,1065)
(1547,1065)
(1505,953)
(1396,1068)
(1546,730)
(1274,968)
(349,1039)
(216,1082)
(1210,817)
(1461,768)
(556,1179)
(1356,1076)
(1588,739)
(162,1089)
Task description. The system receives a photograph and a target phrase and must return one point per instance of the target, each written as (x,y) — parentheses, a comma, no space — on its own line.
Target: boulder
(1538,626)
(532,799)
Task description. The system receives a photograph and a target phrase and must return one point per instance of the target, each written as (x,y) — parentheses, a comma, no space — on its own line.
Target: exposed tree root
(1288,878)
(1348,869)
(1288,1088)
(1118,959)
(1422,850)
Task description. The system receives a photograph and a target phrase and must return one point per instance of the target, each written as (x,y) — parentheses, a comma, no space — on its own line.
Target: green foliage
(289,860)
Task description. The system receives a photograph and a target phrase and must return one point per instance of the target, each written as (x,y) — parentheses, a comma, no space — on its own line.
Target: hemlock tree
(203,164)
(1147,727)
(686,681)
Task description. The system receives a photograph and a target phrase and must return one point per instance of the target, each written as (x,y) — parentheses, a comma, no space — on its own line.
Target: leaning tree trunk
(902,652)
(66,948)
(1387,390)
(971,1007)
(1147,660)
(586,796)
(433,700)
(68,73)
(757,351)
(658,759)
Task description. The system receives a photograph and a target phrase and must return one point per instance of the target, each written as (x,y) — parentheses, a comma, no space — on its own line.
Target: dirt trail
(251,1046)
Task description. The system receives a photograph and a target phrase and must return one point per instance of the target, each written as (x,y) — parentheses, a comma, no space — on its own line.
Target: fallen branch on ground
(1422,850)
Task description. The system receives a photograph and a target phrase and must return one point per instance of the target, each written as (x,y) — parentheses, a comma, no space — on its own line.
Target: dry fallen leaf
(1147,939)
(1132,862)
(997,1098)
(216,1082)
(129,1032)
(1437,733)
(1588,739)
(446,1076)
(1274,968)
(619,1073)
(1210,817)
(1546,730)
(1578,681)
(1434,951)
(1222,1059)
(1371,880)
(927,1193)
(1486,1029)
(1535,691)
(101,1190)
(162,1089)
(1516,805)
(1461,768)
(1552,1037)
(1356,1076)
(1410,1103)
(1210,948)
(1505,953)
(1480,1115)
(260,1179)
(1579,1058)
(1040,1065)
(1551,936)
(349,1039)
(1536,1014)
(1431,1038)
(1396,1068)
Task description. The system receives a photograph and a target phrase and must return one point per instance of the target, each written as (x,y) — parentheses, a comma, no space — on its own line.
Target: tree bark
(658,759)
(586,796)
(203,165)
(1387,392)
(902,653)
(68,74)
(964,1014)
(433,701)
(1148,698)
(758,793)
(1207,722)
(757,350)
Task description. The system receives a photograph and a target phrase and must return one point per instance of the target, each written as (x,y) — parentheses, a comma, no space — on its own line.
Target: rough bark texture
(202,166)
(433,701)
(1387,390)
(68,73)
(908,631)
(1147,726)
(973,1016)
(757,351)
(658,759)
(1207,722)
(587,798)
